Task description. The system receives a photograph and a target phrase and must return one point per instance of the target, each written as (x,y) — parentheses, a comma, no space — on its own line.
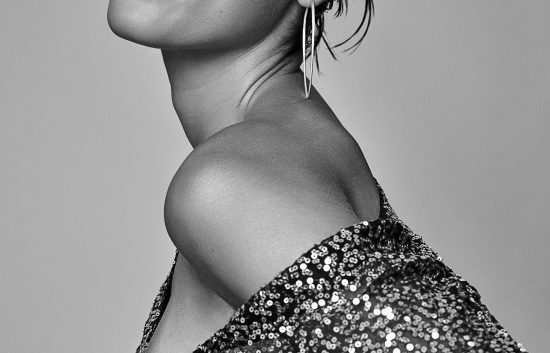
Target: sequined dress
(371,287)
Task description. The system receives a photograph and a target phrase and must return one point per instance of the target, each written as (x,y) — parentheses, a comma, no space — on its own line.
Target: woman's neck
(213,90)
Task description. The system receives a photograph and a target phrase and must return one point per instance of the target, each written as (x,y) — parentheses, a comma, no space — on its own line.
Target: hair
(342,8)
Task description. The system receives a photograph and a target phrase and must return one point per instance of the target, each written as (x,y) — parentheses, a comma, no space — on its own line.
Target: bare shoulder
(254,188)
(265,168)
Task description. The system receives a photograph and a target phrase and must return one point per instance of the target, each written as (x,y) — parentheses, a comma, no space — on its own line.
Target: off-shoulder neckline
(385,212)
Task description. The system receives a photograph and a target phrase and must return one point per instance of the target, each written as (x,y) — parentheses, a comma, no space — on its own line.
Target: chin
(135,22)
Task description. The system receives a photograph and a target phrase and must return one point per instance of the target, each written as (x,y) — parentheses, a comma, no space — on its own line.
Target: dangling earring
(307,87)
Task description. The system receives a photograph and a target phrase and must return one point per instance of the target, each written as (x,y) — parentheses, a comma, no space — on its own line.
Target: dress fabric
(373,286)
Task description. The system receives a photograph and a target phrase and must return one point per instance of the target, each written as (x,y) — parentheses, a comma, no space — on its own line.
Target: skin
(271,172)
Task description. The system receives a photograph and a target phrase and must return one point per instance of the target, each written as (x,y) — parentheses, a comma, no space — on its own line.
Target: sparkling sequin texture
(371,287)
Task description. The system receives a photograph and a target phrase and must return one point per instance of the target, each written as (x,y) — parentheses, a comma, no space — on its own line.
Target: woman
(286,241)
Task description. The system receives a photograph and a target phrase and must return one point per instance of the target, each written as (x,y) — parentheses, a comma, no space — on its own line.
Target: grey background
(448,100)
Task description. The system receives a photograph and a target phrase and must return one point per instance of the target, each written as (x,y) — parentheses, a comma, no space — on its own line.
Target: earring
(307,87)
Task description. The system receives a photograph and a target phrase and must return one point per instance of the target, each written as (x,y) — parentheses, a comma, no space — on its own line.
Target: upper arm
(233,214)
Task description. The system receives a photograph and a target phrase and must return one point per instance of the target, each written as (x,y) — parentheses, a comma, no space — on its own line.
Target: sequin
(418,304)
